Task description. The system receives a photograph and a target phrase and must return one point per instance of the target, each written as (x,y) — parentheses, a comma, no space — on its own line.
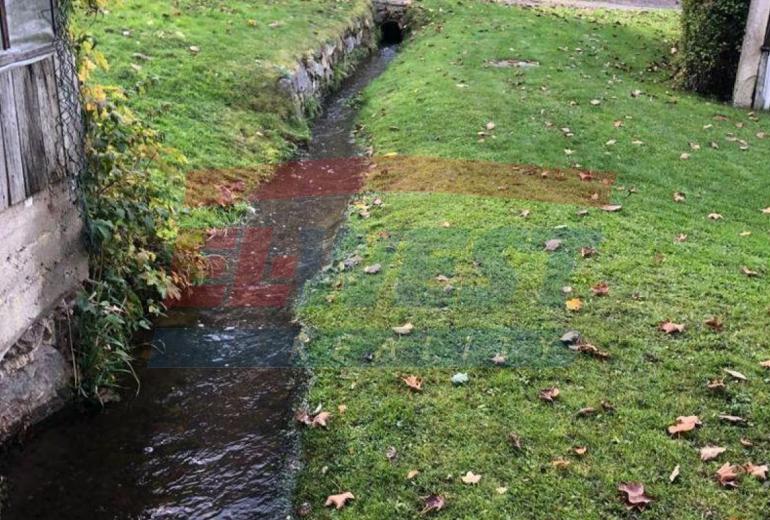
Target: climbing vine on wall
(130,187)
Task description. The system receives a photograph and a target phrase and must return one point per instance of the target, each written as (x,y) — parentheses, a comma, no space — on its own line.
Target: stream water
(210,434)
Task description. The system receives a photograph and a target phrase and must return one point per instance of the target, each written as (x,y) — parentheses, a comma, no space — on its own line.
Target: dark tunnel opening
(391,33)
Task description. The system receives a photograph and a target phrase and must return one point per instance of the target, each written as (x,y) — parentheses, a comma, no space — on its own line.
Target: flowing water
(210,434)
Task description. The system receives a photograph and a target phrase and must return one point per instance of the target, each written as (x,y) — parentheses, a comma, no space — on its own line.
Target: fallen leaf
(611,208)
(391,453)
(413,382)
(714,216)
(727,475)
(404,330)
(460,378)
(684,424)
(470,478)
(596,102)
(501,490)
(587,252)
(570,337)
(679,196)
(716,385)
(765,364)
(515,440)
(601,289)
(760,472)
(373,269)
(711,452)
(671,328)
(681,237)
(339,501)
(411,474)
(574,304)
(684,156)
(552,245)
(748,272)
(591,350)
(733,419)
(735,374)
(714,323)
(580,450)
(635,498)
(549,394)
(321,419)
(674,474)
(746,443)
(585,412)
(193,49)
(432,503)
(342,408)
(498,359)
(560,463)
(766,211)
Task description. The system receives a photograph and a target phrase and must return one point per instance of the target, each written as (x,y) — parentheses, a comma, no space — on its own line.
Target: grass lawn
(600,100)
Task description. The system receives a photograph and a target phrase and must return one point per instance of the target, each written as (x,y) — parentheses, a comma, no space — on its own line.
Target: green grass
(220,107)
(432,102)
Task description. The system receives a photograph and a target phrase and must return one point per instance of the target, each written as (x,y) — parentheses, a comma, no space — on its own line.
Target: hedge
(712,35)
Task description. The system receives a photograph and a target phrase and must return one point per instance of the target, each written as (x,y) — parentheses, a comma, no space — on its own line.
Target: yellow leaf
(574,305)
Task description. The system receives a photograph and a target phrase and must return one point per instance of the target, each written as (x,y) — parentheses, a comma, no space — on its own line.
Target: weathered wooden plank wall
(33,147)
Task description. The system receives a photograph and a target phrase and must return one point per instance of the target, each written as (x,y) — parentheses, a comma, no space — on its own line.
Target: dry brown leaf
(585,412)
(339,501)
(321,419)
(716,385)
(342,408)
(574,304)
(746,443)
(373,269)
(515,440)
(498,359)
(684,424)
(734,373)
(611,208)
(588,252)
(634,495)
(733,419)
(560,463)
(765,364)
(711,452)
(748,272)
(670,327)
(549,394)
(728,474)
(591,350)
(715,216)
(580,450)
(679,196)
(714,323)
(470,478)
(432,503)
(674,474)
(413,382)
(681,237)
(411,474)
(760,472)
(404,330)
(601,289)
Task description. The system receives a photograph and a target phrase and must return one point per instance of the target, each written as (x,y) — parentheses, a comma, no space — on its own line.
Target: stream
(211,432)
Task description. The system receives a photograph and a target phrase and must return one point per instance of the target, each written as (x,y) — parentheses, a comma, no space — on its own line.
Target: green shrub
(712,35)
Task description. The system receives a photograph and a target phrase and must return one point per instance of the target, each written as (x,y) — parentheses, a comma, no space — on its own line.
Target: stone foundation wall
(318,72)
(44,261)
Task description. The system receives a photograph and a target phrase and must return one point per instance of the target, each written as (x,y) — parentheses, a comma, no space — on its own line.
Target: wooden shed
(40,153)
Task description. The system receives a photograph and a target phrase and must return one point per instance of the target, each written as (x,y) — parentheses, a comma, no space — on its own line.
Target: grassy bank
(598,100)
(206,73)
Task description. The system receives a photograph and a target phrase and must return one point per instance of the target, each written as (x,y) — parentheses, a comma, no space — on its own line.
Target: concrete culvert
(391,33)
